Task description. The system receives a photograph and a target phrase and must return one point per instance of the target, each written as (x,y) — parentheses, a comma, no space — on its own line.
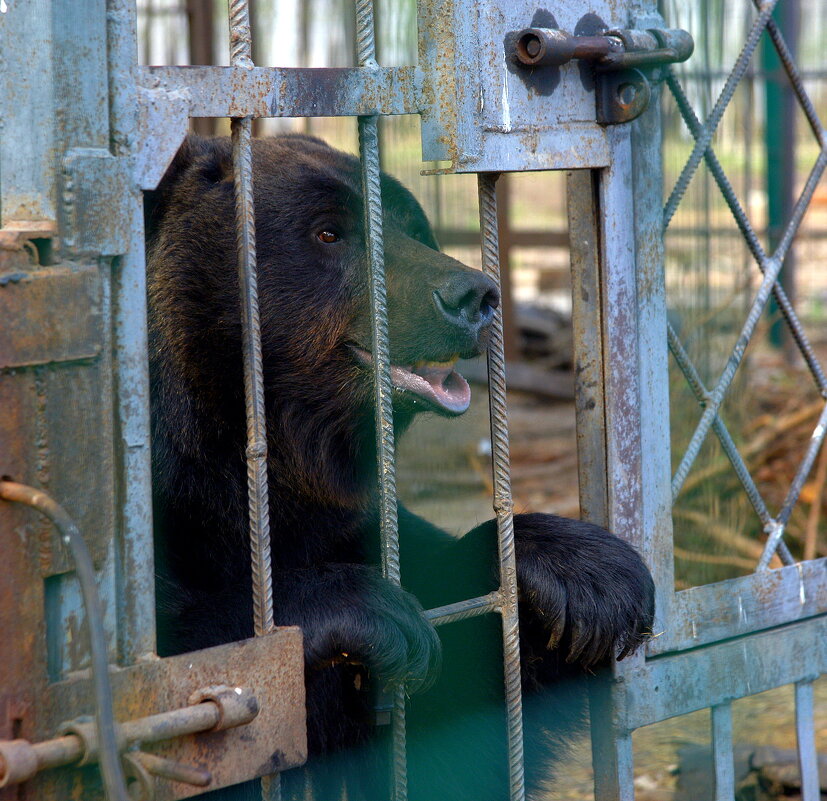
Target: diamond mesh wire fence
(731,278)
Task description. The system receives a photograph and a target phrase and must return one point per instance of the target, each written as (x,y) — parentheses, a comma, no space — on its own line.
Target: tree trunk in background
(202,52)
(780,139)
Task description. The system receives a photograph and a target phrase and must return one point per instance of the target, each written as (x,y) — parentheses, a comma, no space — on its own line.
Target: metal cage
(86,129)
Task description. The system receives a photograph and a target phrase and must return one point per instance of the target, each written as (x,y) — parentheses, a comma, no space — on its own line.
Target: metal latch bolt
(210,709)
(622,90)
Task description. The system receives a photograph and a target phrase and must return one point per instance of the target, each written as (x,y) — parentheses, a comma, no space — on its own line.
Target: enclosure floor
(764,719)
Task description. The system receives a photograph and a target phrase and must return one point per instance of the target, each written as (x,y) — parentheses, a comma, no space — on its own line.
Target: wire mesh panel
(805,581)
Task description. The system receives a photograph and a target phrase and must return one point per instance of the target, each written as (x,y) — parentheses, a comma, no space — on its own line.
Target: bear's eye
(327,236)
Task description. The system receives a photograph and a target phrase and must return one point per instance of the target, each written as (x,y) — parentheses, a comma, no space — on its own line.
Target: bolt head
(626,94)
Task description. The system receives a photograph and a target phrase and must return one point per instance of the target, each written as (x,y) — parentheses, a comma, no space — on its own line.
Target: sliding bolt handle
(612,50)
(549,47)
(210,709)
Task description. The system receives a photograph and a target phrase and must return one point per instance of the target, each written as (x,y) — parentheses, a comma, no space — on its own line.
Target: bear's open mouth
(436,382)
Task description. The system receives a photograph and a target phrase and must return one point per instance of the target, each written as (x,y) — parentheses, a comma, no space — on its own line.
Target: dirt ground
(764,719)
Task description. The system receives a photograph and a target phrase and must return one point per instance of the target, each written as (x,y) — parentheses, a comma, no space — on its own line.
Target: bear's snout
(467,299)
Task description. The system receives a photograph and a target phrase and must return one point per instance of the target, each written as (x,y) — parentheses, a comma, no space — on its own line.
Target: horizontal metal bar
(681,683)
(290,92)
(703,615)
(461,610)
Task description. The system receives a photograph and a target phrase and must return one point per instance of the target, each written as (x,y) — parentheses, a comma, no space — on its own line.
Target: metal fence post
(136,574)
(622,395)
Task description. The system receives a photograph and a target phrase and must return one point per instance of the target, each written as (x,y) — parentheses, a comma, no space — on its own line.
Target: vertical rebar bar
(389,533)
(503,504)
(389,529)
(256,452)
(368,143)
(253,381)
(251,336)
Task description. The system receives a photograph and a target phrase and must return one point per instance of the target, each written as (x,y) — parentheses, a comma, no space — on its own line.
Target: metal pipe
(536,47)
(612,50)
(175,723)
(111,769)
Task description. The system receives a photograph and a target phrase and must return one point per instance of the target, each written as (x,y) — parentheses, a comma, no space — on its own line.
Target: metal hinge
(621,58)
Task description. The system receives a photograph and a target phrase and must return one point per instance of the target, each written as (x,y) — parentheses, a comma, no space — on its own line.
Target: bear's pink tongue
(439,383)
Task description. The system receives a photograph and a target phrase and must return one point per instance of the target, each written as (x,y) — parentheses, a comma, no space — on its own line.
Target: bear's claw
(589,589)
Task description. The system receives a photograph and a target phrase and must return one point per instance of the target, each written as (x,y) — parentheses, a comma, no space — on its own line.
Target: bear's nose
(467,298)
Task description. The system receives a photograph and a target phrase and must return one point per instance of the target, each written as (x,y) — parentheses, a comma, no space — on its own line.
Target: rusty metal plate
(56,434)
(271,666)
(49,315)
(95,199)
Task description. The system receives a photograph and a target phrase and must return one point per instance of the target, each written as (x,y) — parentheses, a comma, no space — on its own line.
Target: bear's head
(314,309)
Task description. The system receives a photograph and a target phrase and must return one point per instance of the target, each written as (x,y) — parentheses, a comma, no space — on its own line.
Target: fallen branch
(713,559)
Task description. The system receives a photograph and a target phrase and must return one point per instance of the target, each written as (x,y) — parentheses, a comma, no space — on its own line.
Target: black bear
(585,595)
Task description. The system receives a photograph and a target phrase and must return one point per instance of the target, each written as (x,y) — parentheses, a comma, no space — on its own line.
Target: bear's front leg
(581,588)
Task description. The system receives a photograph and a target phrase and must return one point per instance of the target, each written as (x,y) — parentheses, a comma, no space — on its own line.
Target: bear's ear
(210,158)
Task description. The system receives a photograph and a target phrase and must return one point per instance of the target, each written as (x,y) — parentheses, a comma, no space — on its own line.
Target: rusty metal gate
(499,87)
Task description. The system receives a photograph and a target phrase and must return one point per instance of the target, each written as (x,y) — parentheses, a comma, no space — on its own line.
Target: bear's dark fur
(585,595)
